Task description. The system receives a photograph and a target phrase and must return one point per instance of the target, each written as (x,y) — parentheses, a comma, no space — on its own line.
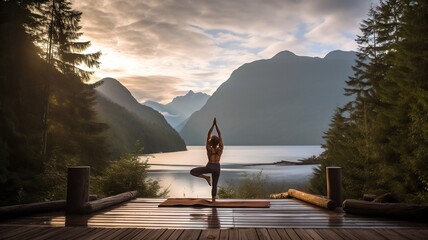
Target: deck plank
(190,234)
(175,234)
(130,233)
(366,234)
(51,234)
(412,234)
(303,234)
(292,234)
(114,234)
(224,234)
(79,233)
(76,233)
(391,235)
(9,231)
(210,234)
(165,234)
(273,233)
(313,234)
(347,234)
(233,234)
(155,234)
(263,234)
(100,234)
(27,233)
(284,235)
(329,234)
(141,234)
(247,234)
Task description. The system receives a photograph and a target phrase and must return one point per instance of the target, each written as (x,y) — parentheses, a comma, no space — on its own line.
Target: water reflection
(336,220)
(213,221)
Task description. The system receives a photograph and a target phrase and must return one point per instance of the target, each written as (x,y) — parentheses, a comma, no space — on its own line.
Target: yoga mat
(200,202)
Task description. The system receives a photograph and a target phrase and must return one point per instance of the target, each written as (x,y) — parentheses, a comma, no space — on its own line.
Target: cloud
(156,88)
(196,44)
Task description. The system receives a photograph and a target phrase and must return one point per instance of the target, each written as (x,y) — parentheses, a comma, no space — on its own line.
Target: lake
(172,169)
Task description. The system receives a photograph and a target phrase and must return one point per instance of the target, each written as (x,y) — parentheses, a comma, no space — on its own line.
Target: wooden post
(334,184)
(77,189)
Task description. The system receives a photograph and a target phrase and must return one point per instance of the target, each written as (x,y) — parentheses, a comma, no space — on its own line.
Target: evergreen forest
(380,138)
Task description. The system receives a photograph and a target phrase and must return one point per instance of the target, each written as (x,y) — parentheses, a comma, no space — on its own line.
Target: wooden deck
(142,218)
(37,233)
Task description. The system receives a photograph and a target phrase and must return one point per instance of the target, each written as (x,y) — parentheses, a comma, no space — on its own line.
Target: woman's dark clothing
(214,169)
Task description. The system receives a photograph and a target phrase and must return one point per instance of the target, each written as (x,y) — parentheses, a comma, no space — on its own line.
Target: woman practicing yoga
(214,146)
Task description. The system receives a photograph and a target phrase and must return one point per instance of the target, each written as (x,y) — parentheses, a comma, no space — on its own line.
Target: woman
(214,146)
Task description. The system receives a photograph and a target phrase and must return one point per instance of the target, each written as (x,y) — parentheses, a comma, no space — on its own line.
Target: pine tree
(387,122)
(68,50)
(58,33)
(63,50)
(411,105)
(76,138)
(368,72)
(350,141)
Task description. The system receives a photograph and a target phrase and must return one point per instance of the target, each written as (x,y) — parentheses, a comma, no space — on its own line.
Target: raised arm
(219,133)
(209,134)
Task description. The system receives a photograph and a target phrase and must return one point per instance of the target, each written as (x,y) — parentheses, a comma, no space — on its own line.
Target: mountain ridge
(113,90)
(180,108)
(287,99)
(130,121)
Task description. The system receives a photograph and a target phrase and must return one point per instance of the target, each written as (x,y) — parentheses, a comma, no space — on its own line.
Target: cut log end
(279,195)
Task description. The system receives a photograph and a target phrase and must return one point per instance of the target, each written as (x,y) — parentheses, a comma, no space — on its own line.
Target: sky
(160,49)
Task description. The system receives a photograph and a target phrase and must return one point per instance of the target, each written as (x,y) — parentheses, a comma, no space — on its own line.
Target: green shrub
(255,185)
(129,174)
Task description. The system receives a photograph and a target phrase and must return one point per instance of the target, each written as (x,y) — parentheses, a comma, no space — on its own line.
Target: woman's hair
(214,141)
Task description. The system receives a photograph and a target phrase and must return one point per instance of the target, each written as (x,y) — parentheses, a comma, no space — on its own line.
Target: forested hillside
(127,127)
(380,139)
(46,111)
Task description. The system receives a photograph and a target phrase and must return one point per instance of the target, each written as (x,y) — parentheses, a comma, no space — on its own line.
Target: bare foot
(208,178)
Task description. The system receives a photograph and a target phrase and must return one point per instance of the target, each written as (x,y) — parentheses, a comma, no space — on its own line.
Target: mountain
(130,121)
(180,108)
(285,100)
(117,93)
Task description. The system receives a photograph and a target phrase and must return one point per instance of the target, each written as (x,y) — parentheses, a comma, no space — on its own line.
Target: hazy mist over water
(172,169)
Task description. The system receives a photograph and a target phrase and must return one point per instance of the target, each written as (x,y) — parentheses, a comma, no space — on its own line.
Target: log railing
(313,199)
(78,199)
(392,210)
(334,191)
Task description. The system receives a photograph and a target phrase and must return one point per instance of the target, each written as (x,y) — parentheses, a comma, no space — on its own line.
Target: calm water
(172,169)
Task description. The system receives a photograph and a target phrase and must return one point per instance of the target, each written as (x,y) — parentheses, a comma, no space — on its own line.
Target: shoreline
(300,162)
